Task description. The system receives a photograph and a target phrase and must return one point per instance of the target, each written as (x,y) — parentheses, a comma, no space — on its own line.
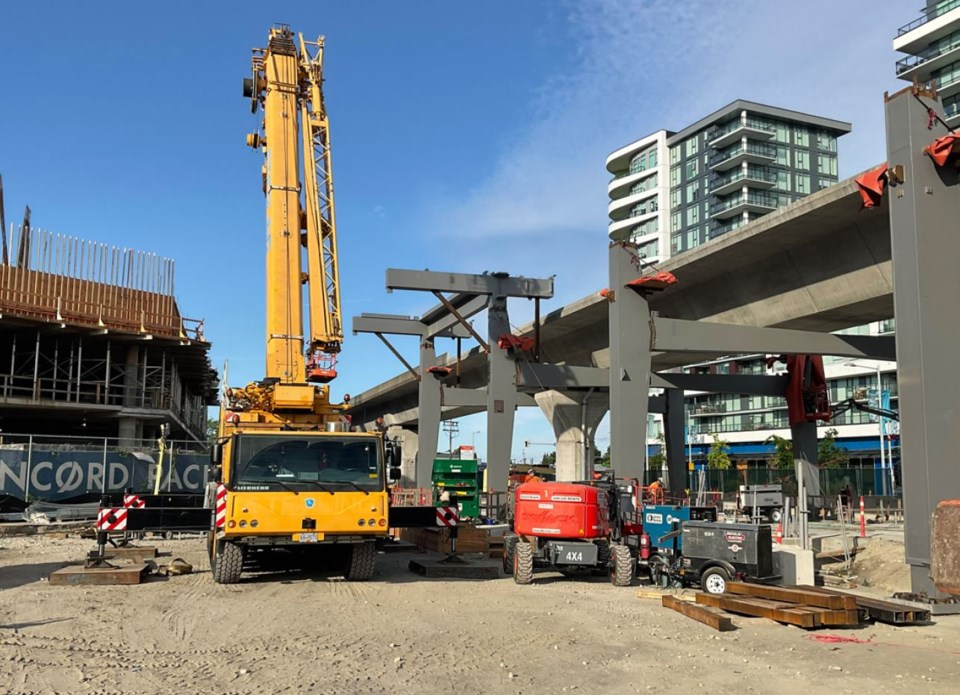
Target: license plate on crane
(307,537)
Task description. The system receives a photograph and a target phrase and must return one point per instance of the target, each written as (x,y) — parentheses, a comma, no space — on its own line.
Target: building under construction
(92,342)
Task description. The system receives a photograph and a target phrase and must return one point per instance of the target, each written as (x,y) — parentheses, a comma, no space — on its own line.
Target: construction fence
(53,468)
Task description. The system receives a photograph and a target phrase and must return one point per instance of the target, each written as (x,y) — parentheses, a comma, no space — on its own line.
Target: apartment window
(783,133)
(803,183)
(782,156)
(826,142)
(675,155)
(676,221)
(675,243)
(693,237)
(638,163)
(783,180)
(654,204)
(827,164)
(693,192)
(675,176)
(649,249)
(693,215)
(648,227)
(675,197)
(824,183)
(652,159)
(692,169)
(692,146)
(801,160)
(723,368)
(801,137)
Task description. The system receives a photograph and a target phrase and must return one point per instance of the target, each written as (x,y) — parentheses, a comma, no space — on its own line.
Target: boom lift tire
(363,560)
(523,563)
(621,570)
(228,563)
(509,549)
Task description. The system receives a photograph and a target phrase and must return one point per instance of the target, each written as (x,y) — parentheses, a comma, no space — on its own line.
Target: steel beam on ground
(924,210)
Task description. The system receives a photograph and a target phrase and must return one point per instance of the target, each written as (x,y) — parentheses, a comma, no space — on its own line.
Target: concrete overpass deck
(820,264)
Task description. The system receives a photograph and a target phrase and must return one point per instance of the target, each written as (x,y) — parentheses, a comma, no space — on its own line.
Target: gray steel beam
(459,398)
(440,323)
(501,397)
(629,363)
(804,440)
(428,419)
(677,335)
(924,210)
(404,325)
(673,436)
(750,384)
(562,377)
(501,285)
(439,311)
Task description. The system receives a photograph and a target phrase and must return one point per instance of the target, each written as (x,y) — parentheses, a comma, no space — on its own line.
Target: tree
(604,460)
(656,461)
(783,452)
(549,459)
(829,453)
(212,425)
(717,458)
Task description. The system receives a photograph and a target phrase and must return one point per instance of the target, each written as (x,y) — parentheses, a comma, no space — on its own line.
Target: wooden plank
(684,595)
(793,595)
(761,609)
(76,575)
(702,614)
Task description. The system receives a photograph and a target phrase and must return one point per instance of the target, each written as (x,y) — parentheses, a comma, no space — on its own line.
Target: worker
(655,490)
(532,477)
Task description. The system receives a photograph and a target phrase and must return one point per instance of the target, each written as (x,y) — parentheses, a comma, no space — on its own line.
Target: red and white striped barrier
(221,506)
(778,533)
(133,502)
(112,519)
(447,516)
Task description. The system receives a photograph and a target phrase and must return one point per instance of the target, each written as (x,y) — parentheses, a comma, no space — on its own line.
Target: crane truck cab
(306,491)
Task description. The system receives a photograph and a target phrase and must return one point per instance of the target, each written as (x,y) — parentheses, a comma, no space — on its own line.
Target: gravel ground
(300,632)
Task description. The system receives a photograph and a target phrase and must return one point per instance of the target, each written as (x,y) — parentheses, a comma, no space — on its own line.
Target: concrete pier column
(129,432)
(574,416)
(131,377)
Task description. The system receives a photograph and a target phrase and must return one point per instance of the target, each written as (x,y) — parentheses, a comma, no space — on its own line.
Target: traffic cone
(778,535)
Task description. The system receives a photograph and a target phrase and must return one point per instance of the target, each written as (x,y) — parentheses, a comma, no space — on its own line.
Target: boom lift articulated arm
(853,404)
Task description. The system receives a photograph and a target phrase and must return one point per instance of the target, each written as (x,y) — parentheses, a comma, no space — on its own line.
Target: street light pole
(883,457)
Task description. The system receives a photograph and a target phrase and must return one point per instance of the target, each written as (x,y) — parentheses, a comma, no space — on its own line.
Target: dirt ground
(308,632)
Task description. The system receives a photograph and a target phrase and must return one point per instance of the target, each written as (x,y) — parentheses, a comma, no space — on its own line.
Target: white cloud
(646,65)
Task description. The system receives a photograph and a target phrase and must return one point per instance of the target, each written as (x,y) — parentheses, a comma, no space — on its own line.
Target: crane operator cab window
(332,464)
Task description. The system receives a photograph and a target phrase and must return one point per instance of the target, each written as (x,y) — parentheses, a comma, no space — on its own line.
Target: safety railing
(928,14)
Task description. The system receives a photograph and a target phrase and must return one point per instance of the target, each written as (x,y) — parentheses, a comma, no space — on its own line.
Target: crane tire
(523,564)
(363,560)
(621,571)
(228,563)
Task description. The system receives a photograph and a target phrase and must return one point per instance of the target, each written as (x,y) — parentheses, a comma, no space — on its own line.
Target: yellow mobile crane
(290,473)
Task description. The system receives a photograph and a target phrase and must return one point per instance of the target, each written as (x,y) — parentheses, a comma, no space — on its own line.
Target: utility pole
(452,428)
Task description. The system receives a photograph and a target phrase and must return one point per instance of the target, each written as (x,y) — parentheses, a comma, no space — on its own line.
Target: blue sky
(466,136)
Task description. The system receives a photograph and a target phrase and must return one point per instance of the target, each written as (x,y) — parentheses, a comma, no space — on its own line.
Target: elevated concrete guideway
(820,264)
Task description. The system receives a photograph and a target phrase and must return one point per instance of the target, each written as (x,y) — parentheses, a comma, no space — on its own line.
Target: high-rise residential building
(673,191)
(932,44)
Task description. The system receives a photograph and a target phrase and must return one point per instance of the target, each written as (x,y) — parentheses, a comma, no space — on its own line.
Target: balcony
(753,152)
(922,65)
(754,201)
(754,176)
(933,24)
(729,133)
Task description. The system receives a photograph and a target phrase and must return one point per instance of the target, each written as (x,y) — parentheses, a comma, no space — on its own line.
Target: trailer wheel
(363,560)
(714,580)
(523,563)
(621,573)
(509,549)
(228,563)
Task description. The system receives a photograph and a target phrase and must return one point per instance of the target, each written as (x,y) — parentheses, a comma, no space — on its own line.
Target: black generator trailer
(715,553)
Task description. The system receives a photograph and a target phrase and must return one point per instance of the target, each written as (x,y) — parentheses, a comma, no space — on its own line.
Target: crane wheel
(523,563)
(363,560)
(228,563)
(509,550)
(621,570)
